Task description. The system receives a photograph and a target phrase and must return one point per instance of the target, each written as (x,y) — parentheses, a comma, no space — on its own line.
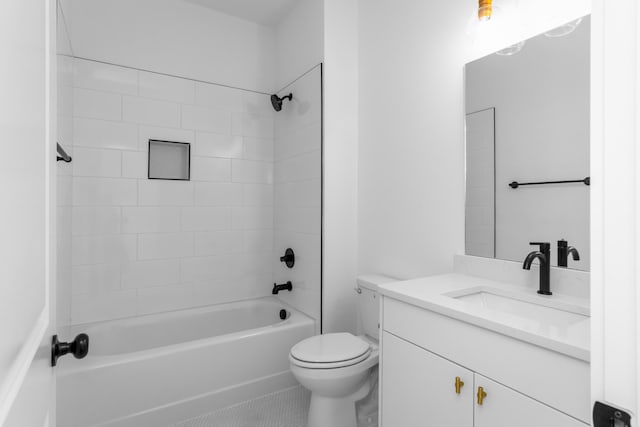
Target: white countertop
(431,293)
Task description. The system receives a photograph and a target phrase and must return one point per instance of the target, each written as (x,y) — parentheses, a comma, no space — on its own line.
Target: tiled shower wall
(141,246)
(298,192)
(63,189)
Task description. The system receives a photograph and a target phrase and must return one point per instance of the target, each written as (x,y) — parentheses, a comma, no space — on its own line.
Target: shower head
(276,101)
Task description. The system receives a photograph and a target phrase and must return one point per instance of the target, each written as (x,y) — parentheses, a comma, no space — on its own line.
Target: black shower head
(276,101)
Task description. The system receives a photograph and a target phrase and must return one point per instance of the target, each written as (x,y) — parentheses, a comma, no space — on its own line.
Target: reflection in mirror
(527,121)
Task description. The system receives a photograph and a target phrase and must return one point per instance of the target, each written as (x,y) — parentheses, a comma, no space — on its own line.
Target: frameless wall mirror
(527,127)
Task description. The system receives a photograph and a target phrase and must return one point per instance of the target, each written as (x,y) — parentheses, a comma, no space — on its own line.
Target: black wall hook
(62,155)
(79,347)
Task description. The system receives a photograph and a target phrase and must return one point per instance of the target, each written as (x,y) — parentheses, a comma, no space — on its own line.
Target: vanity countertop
(460,297)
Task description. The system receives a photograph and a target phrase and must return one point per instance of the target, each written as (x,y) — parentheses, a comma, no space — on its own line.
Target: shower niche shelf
(169,160)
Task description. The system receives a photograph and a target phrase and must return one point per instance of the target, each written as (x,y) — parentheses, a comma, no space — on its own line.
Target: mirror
(527,124)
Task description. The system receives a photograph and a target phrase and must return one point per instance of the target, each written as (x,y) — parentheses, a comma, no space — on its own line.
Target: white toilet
(337,368)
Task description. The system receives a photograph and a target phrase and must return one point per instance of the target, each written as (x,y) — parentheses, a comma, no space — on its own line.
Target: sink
(538,309)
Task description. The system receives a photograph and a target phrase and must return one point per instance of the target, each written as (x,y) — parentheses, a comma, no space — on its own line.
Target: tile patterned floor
(286,408)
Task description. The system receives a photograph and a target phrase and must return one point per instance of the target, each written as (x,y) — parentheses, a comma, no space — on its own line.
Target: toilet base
(336,412)
(325,411)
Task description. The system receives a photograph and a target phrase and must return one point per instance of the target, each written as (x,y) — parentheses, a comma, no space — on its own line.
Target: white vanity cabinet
(420,388)
(423,353)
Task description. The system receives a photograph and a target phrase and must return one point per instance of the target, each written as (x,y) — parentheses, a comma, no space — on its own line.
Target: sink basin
(536,309)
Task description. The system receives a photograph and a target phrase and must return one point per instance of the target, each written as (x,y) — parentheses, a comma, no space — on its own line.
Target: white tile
(206,218)
(165,245)
(150,112)
(165,193)
(150,219)
(106,249)
(93,308)
(253,125)
(105,77)
(291,143)
(218,242)
(134,164)
(65,70)
(145,274)
(222,97)
(249,171)
(253,267)
(210,169)
(104,192)
(103,134)
(258,241)
(302,220)
(299,168)
(168,88)
(65,129)
(96,162)
(258,149)
(96,105)
(218,145)
(218,194)
(166,298)
(298,193)
(95,220)
(207,269)
(257,104)
(96,279)
(253,218)
(163,134)
(258,195)
(64,191)
(206,119)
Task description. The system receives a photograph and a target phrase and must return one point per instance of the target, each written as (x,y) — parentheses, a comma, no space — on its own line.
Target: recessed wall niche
(169,160)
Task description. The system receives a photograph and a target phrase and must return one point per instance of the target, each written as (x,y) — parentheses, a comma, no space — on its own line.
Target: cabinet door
(504,407)
(419,388)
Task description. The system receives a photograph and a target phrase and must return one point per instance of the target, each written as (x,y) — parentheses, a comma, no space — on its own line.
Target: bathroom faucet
(544,255)
(284,287)
(563,253)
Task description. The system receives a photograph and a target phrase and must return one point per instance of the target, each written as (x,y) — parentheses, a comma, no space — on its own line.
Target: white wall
(141,246)
(174,37)
(297,192)
(411,163)
(341,163)
(299,41)
(541,101)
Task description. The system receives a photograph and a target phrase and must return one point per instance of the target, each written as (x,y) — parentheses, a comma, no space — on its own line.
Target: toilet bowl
(336,368)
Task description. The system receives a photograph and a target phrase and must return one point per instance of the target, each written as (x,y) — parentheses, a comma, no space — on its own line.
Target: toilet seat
(330,351)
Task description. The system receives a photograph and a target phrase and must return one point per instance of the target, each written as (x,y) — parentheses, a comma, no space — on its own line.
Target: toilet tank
(369,303)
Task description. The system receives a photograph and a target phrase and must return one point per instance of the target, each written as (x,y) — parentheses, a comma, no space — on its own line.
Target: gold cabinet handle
(481,395)
(459,385)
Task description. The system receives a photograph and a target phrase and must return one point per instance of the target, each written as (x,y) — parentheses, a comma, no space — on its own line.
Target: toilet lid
(330,348)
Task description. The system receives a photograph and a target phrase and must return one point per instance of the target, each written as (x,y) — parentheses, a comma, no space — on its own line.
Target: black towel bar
(585,181)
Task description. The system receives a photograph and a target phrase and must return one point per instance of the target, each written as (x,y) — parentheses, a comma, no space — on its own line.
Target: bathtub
(164,368)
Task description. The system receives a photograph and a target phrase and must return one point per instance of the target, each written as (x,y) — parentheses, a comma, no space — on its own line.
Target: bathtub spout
(284,287)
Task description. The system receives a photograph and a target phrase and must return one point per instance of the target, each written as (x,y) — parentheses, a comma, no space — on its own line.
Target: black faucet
(564,250)
(284,287)
(544,255)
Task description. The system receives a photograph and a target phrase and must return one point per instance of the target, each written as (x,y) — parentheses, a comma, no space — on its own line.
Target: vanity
(493,344)
(459,350)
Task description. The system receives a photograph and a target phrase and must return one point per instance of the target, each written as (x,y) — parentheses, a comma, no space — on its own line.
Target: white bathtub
(160,369)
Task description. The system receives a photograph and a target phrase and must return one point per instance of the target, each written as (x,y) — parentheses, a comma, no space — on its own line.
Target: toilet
(338,368)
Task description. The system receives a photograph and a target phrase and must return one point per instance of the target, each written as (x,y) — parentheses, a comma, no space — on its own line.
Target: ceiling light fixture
(485,10)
